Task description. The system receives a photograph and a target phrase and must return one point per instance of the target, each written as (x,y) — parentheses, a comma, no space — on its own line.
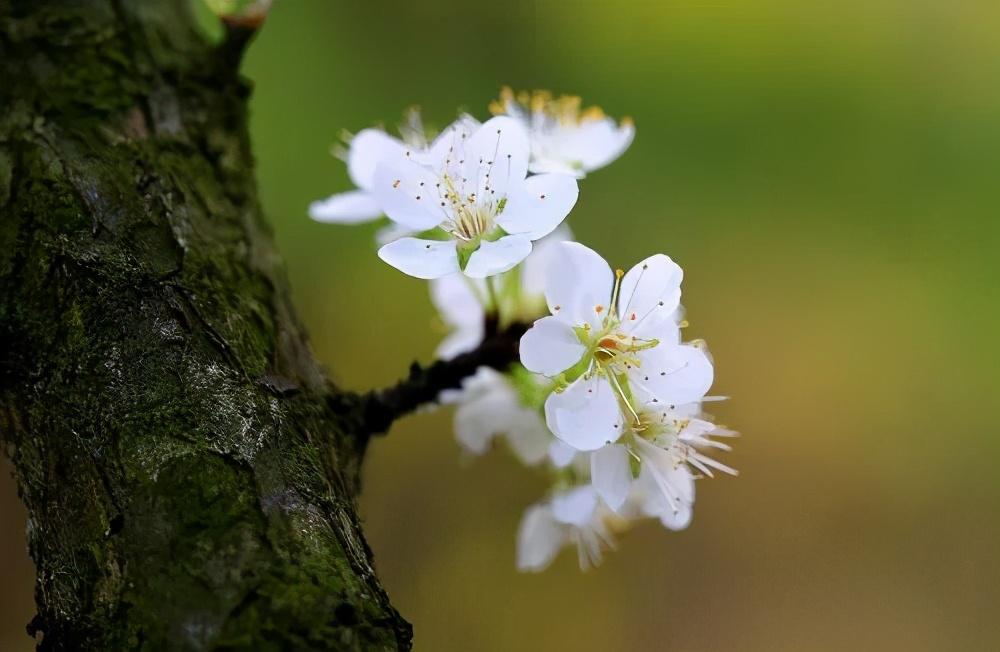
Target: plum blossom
(473,192)
(612,338)
(563,137)
(575,516)
(607,398)
(363,152)
(489,407)
(614,344)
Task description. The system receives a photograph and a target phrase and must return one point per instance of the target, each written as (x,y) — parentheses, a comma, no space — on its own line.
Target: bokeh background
(828,178)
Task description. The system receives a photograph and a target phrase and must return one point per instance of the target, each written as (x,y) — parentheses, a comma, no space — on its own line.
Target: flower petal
(578,285)
(457,298)
(550,347)
(451,139)
(493,258)
(479,420)
(352,207)
(461,341)
(392,231)
(539,539)
(535,266)
(561,453)
(407,192)
(495,156)
(576,506)
(539,205)
(367,148)
(599,142)
(611,474)
(673,375)
(650,293)
(421,258)
(585,415)
(528,436)
(667,486)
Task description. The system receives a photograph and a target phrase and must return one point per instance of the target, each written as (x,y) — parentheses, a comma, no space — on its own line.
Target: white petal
(392,231)
(451,138)
(576,506)
(408,194)
(457,298)
(561,454)
(479,420)
(550,347)
(528,436)
(548,165)
(611,474)
(599,142)
(650,293)
(578,285)
(539,539)
(668,486)
(585,415)
(673,375)
(677,518)
(353,207)
(367,149)
(542,252)
(493,258)
(461,341)
(496,155)
(421,258)
(539,205)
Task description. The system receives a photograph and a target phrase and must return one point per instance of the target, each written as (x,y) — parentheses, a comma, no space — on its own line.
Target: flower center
(469,218)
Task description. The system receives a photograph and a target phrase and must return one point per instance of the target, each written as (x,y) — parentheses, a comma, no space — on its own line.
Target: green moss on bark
(189,473)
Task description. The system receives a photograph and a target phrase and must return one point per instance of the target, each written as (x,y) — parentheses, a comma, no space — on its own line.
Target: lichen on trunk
(190,474)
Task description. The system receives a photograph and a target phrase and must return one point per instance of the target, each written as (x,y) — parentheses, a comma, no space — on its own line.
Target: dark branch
(240,29)
(498,350)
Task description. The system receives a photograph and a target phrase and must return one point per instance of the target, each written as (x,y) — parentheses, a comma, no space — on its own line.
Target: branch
(498,350)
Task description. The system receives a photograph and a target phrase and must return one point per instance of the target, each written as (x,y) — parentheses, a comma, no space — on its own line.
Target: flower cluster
(606,399)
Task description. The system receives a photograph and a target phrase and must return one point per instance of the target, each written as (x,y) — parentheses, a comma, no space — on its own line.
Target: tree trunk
(190,474)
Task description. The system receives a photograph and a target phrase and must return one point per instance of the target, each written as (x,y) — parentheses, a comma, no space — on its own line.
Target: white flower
(614,341)
(564,138)
(575,517)
(488,407)
(364,151)
(668,445)
(462,301)
(474,190)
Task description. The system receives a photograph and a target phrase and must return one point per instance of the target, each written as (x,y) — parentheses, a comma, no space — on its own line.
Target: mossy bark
(190,474)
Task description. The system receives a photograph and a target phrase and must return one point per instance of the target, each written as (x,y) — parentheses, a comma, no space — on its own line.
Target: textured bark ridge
(189,472)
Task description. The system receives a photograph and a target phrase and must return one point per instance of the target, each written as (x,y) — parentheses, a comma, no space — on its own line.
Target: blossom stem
(493,307)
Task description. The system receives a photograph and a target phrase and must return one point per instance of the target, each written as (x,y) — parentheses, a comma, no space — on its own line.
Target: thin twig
(498,350)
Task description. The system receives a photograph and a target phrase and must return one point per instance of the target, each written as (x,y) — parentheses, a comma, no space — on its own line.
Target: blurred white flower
(475,192)
(363,153)
(565,138)
(576,516)
(489,407)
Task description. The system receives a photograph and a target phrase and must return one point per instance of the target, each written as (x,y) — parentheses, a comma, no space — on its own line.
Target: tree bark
(190,474)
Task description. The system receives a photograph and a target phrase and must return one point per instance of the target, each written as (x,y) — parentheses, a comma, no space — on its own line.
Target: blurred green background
(827,177)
